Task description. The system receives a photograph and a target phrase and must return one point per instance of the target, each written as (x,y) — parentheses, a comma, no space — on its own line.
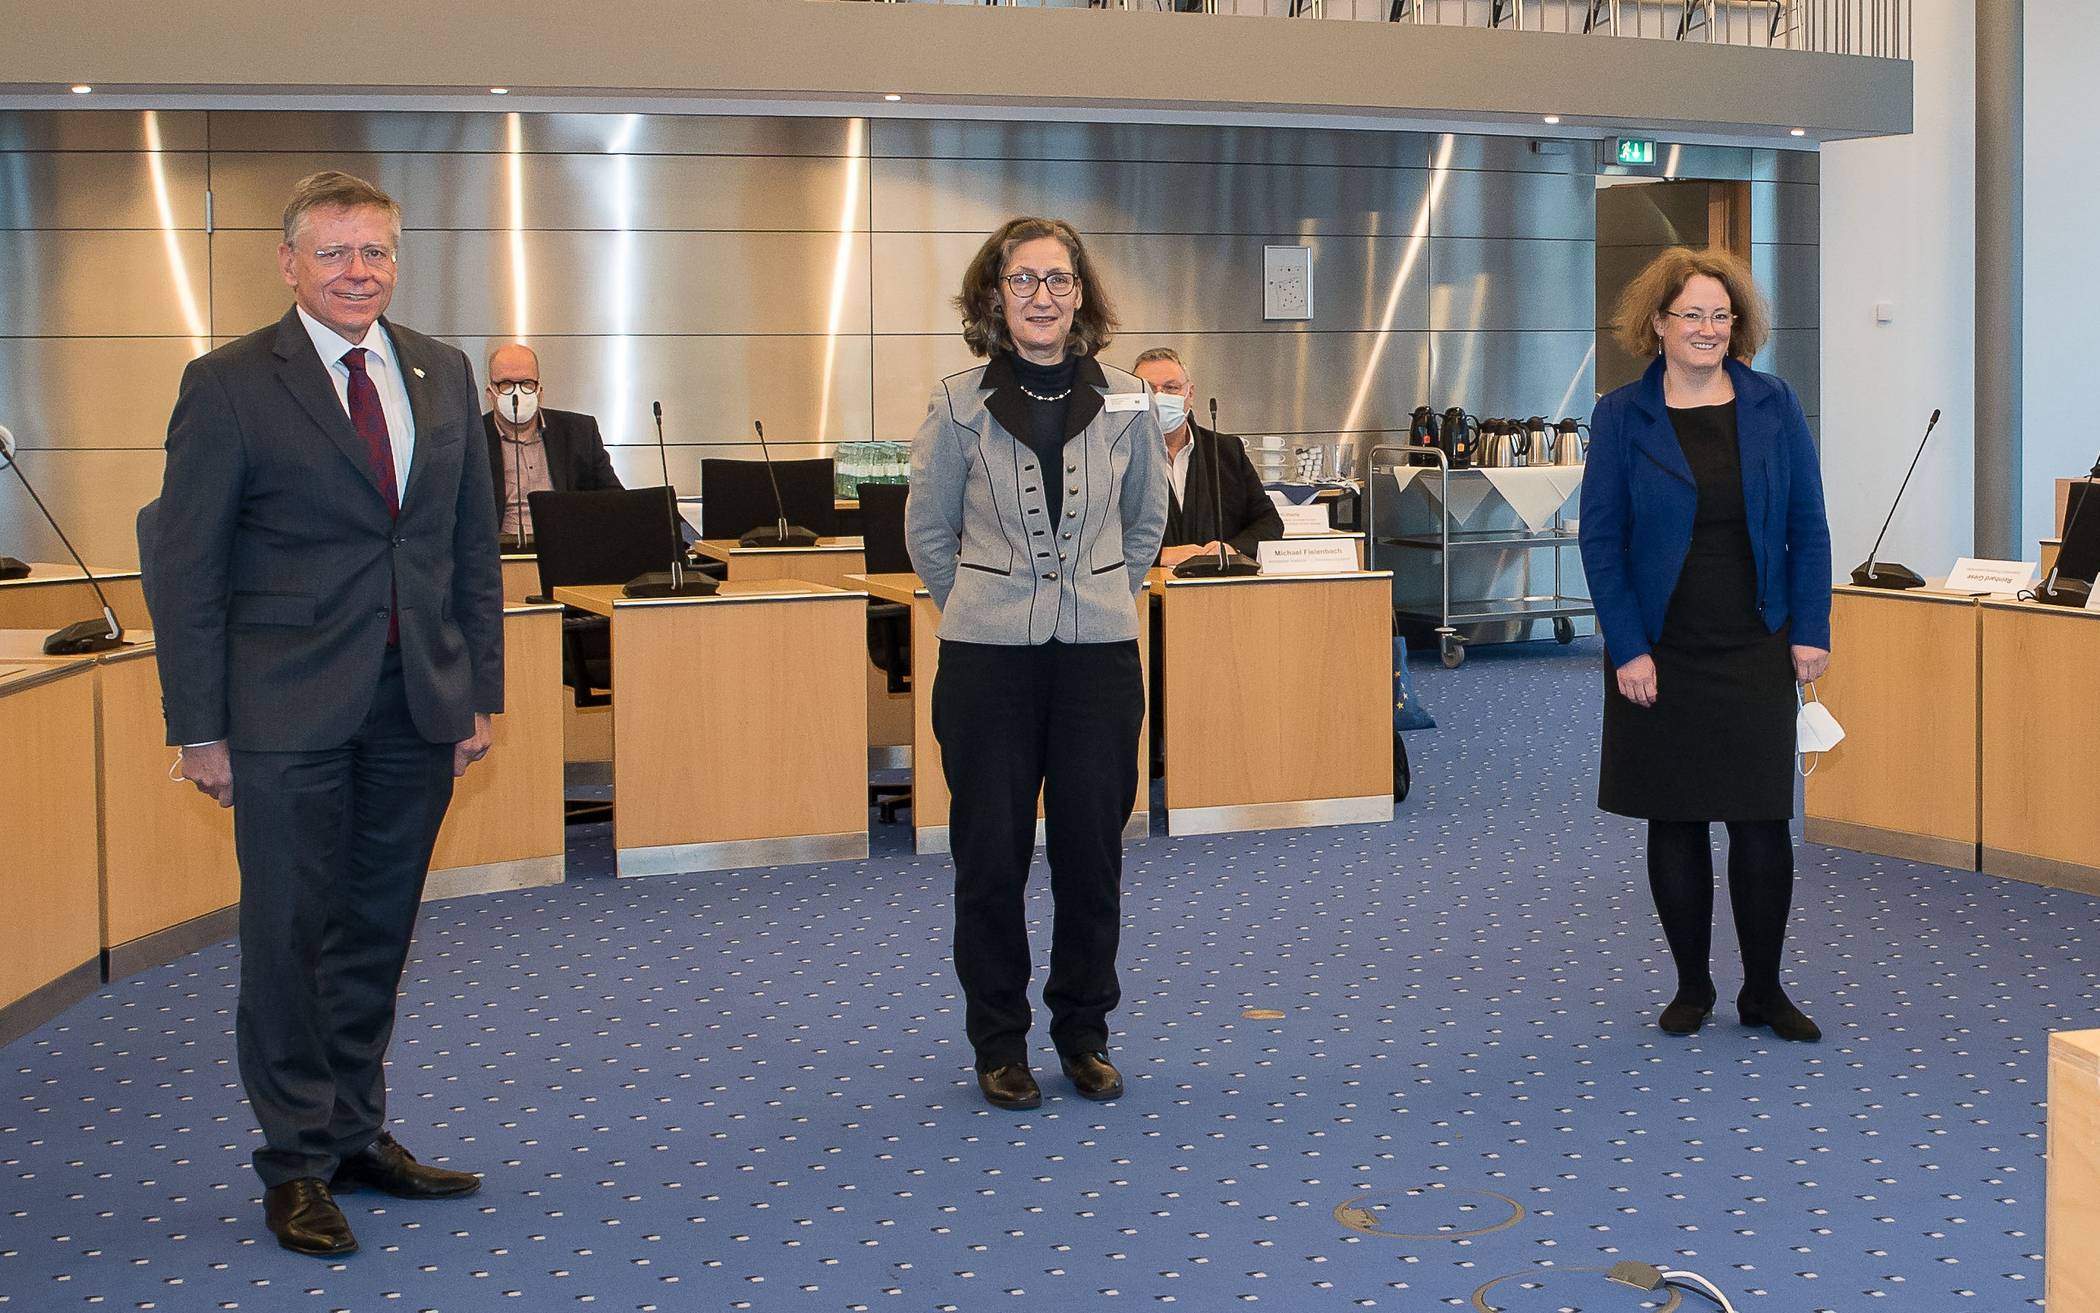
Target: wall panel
(101,284)
(90,392)
(102,189)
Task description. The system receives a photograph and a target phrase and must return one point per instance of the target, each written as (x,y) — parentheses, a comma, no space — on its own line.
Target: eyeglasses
(1696,318)
(335,257)
(1023,285)
(529,386)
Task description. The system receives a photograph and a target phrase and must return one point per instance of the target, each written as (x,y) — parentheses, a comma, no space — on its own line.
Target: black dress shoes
(304,1218)
(1686,1013)
(1011,1087)
(1777,1011)
(386,1166)
(1094,1076)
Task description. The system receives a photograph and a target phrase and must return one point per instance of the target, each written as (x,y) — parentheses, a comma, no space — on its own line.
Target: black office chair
(889,623)
(736,496)
(597,538)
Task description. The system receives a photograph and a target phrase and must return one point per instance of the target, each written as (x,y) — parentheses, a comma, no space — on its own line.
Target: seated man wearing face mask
(1194,453)
(532,449)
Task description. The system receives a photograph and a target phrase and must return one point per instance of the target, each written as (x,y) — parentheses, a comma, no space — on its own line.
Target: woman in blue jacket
(1708,555)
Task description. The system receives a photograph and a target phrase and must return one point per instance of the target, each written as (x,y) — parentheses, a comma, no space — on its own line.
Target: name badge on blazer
(1118,402)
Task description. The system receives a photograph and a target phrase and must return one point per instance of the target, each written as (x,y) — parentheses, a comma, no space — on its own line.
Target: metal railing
(1879,29)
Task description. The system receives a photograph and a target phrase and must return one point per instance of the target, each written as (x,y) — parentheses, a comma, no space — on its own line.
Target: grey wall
(797,270)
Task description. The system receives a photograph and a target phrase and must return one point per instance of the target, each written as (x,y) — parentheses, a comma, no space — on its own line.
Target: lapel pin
(417,372)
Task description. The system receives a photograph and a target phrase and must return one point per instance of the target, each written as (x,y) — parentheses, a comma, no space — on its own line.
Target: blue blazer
(1638,502)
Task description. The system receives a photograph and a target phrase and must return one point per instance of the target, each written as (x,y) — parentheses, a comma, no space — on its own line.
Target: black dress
(1718,745)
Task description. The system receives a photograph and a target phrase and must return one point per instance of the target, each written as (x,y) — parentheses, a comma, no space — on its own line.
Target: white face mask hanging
(1815,729)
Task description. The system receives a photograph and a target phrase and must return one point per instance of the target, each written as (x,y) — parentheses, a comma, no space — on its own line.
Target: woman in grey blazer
(1038,497)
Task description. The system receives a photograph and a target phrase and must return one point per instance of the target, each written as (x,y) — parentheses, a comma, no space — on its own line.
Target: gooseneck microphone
(1872,573)
(82,636)
(517,470)
(780,533)
(1227,561)
(2075,587)
(673,582)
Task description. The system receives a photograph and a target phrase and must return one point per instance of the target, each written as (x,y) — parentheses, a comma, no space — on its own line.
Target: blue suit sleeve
(1605,533)
(1807,534)
(200,505)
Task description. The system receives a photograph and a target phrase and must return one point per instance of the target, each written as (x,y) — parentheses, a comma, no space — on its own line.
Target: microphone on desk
(780,533)
(82,636)
(1874,574)
(1227,561)
(517,471)
(674,582)
(2076,589)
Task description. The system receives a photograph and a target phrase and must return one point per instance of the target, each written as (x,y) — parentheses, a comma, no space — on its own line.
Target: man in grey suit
(328,603)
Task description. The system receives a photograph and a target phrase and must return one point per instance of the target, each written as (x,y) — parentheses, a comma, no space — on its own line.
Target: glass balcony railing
(1879,29)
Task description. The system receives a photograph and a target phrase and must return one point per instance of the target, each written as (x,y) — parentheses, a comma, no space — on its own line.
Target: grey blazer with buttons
(977,522)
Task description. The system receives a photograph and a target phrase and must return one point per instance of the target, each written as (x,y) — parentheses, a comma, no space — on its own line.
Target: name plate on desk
(1304,519)
(1983,576)
(1308,556)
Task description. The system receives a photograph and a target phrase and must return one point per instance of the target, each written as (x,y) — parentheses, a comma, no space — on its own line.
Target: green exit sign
(1632,150)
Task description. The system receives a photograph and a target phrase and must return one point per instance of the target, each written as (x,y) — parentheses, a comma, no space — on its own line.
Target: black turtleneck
(1046,419)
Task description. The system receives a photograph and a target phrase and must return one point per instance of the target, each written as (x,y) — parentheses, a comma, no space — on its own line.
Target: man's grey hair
(332,190)
(1166,353)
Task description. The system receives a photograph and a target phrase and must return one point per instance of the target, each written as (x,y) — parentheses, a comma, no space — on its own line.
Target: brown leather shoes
(1011,1087)
(386,1166)
(303,1216)
(1094,1076)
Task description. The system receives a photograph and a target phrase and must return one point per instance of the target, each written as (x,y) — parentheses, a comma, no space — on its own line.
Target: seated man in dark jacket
(1193,453)
(533,449)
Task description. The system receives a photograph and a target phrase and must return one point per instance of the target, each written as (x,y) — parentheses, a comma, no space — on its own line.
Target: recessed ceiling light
(1553,118)
(892,96)
(1800,132)
(81,88)
(499,91)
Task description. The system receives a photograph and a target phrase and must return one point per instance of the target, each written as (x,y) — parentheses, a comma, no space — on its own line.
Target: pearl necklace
(1037,396)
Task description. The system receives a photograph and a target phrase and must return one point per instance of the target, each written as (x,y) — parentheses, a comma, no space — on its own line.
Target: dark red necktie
(368,417)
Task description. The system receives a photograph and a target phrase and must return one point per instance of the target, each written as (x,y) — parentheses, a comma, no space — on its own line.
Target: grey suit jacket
(274,556)
(977,522)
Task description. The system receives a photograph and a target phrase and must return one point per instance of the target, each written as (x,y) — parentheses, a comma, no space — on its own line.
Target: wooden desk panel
(168,863)
(2041,744)
(50,956)
(504,829)
(54,596)
(521,578)
(721,756)
(1244,752)
(1903,682)
(2071,1260)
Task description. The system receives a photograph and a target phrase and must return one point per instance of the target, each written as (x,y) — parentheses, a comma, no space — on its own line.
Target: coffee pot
(1460,437)
(1571,442)
(1538,435)
(1493,451)
(1421,430)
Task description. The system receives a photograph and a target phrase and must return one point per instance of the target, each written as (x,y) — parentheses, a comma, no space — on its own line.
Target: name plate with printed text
(1308,556)
(1304,519)
(1976,576)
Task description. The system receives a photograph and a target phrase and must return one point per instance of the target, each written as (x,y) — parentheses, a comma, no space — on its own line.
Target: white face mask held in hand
(1815,729)
(1173,410)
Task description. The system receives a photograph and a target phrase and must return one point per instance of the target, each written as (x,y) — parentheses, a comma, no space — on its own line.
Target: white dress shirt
(1178,469)
(385,371)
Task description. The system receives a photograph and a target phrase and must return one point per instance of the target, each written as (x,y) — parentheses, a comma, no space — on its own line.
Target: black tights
(1760,890)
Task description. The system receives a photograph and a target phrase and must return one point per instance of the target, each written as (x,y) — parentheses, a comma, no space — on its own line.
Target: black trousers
(1061,719)
(334,847)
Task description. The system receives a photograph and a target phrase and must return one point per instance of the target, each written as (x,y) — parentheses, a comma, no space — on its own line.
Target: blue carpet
(751,1091)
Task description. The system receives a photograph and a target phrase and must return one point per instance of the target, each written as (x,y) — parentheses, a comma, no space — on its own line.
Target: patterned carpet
(1404,1067)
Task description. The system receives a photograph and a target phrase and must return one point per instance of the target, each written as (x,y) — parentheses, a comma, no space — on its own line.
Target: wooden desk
(1277,700)
(53,596)
(2041,744)
(929,783)
(50,950)
(739,725)
(504,829)
(521,577)
(2071,1262)
(837,562)
(1904,684)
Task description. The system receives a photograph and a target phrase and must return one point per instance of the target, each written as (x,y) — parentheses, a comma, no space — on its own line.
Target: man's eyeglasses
(529,386)
(1024,285)
(335,257)
(1719,318)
